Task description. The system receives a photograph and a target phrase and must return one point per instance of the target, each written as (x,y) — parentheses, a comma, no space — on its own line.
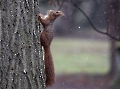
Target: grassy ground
(80,55)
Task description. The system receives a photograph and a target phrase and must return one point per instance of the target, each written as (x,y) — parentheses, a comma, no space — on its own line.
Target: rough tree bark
(21,63)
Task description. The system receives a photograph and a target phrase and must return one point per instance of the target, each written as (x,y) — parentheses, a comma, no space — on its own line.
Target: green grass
(80,56)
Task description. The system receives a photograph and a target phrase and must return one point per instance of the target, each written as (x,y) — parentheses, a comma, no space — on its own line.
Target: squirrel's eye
(57,12)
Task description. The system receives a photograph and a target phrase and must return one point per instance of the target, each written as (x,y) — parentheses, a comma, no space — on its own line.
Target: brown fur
(46,39)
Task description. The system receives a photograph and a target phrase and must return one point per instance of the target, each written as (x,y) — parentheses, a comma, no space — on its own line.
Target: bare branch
(105,33)
(61,5)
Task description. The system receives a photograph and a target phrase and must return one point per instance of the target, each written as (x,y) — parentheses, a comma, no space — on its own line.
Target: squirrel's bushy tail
(49,67)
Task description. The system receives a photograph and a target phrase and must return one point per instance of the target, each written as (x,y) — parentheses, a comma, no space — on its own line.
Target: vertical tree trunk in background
(21,64)
(112,70)
(113,16)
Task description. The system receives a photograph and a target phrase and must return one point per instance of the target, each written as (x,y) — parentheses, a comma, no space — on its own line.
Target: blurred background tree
(113,13)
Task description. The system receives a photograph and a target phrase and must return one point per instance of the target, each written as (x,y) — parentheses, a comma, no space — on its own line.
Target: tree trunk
(112,70)
(116,84)
(113,17)
(21,63)
(113,13)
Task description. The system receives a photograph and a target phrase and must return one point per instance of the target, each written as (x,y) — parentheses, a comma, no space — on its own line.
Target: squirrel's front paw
(40,16)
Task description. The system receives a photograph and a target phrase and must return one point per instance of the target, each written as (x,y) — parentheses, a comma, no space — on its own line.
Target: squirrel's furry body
(46,39)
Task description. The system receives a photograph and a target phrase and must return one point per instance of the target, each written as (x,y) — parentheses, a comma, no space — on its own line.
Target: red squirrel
(46,39)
